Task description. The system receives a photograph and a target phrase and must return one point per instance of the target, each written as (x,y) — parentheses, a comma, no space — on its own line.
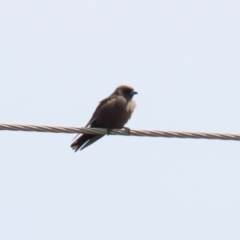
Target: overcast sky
(58,59)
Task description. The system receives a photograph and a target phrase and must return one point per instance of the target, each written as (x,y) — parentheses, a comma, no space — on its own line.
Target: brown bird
(112,112)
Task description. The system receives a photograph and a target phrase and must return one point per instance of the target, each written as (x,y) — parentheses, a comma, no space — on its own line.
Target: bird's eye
(128,91)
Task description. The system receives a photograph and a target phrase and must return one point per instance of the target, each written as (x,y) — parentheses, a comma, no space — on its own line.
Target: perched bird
(112,112)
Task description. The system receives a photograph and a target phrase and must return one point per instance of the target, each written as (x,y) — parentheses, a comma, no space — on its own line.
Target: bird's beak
(133,93)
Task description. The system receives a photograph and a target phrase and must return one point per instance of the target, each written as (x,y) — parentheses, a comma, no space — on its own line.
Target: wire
(102,131)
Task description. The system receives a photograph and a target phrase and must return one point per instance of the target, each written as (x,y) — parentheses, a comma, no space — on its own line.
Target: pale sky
(59,59)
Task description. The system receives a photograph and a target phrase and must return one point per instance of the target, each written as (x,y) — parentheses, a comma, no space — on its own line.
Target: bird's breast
(130,106)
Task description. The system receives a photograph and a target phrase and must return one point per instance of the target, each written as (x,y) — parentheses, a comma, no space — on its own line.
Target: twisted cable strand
(101,131)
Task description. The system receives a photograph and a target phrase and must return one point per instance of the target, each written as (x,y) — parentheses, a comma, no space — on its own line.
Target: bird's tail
(85,140)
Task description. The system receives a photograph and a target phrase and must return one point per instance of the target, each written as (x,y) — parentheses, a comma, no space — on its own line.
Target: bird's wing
(103,104)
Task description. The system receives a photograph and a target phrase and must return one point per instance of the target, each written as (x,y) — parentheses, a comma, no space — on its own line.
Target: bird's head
(126,91)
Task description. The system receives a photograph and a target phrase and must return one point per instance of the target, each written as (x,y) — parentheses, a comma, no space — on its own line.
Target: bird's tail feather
(84,141)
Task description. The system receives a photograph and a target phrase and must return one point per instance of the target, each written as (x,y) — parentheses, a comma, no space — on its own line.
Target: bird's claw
(128,130)
(109,130)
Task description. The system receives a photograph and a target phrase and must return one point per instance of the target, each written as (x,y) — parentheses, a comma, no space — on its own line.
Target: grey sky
(59,59)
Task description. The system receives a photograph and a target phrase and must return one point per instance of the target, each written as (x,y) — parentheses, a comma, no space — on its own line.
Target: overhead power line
(102,131)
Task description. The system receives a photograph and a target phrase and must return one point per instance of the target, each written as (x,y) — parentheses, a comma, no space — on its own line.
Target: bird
(112,112)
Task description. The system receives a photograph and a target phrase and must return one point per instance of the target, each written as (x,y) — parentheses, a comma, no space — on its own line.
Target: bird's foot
(109,130)
(128,130)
